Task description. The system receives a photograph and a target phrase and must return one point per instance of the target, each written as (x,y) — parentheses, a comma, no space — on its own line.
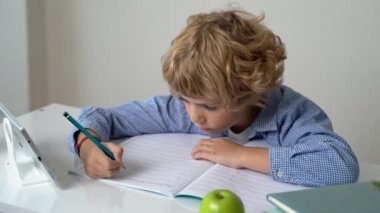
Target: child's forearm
(255,158)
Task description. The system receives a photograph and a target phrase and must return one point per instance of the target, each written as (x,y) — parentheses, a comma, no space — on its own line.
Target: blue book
(356,197)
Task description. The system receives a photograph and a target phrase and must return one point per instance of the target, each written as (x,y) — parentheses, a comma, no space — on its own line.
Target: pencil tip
(65,114)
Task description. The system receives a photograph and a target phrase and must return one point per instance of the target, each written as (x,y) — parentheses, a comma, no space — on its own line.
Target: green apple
(221,201)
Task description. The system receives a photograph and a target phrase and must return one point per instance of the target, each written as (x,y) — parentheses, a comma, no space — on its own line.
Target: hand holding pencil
(100,159)
(99,165)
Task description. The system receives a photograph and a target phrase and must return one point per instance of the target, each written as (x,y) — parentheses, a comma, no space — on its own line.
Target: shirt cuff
(88,125)
(279,158)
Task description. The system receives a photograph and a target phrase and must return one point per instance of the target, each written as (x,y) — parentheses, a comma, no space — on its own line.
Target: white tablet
(24,142)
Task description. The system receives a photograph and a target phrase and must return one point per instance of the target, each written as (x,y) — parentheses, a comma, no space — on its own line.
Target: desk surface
(49,130)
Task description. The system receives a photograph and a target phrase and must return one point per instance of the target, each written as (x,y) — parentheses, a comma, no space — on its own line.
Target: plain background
(96,52)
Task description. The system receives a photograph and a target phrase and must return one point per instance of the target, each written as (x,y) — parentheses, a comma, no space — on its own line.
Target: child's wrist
(79,144)
(82,138)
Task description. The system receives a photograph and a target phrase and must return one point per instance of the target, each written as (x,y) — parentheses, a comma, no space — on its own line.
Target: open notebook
(162,163)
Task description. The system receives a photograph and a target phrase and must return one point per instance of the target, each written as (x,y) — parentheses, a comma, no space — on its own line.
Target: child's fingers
(95,169)
(202,154)
(105,163)
(202,151)
(99,164)
(202,146)
(110,172)
(116,150)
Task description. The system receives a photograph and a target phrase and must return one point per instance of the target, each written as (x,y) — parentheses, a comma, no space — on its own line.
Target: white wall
(14,85)
(107,52)
(333,49)
(38,74)
(23,76)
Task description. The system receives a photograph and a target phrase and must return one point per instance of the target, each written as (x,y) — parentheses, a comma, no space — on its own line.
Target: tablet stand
(24,167)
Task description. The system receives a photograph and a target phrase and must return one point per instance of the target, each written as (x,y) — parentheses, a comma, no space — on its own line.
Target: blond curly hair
(225,56)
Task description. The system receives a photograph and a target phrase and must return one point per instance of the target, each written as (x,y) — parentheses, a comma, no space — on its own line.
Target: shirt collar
(266,120)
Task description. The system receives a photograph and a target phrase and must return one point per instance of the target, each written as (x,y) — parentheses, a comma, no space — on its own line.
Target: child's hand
(97,164)
(218,150)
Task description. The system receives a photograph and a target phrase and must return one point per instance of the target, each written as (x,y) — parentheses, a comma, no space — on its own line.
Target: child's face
(211,117)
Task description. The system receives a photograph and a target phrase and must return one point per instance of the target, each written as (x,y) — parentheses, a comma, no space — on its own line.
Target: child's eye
(210,108)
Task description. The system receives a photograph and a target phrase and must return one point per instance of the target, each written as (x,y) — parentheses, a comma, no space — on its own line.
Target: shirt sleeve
(161,114)
(308,151)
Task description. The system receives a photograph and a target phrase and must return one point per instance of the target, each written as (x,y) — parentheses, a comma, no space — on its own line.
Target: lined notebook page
(160,162)
(252,187)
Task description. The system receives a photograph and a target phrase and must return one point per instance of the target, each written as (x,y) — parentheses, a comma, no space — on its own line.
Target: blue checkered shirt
(303,149)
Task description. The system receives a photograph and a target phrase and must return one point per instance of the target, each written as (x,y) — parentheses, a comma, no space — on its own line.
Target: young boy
(225,72)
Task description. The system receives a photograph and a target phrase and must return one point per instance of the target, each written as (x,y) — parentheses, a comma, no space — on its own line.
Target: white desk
(49,130)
